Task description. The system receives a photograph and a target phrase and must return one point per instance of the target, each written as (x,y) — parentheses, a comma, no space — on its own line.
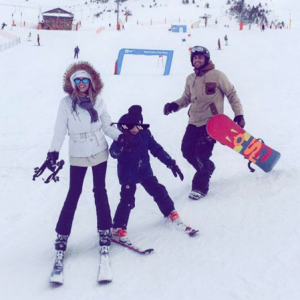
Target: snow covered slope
(248,246)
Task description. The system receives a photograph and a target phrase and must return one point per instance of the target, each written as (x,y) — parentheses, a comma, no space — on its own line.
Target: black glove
(52,158)
(176,171)
(126,143)
(170,107)
(239,120)
(123,140)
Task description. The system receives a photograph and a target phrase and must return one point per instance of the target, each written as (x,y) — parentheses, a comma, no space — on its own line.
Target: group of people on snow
(82,114)
(226,42)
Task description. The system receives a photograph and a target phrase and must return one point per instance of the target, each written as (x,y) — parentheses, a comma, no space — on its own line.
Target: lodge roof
(58,12)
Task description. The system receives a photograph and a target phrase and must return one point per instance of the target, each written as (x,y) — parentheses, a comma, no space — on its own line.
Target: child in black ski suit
(134,167)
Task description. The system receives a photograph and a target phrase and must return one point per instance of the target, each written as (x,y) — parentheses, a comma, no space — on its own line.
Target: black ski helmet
(199,50)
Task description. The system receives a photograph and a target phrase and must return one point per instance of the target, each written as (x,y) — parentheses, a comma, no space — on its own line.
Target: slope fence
(13,40)
(157,22)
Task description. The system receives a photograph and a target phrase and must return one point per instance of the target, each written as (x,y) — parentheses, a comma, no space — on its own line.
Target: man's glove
(170,107)
(176,171)
(52,158)
(239,120)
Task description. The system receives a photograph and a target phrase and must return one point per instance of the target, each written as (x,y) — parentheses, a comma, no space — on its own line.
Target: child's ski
(133,247)
(186,229)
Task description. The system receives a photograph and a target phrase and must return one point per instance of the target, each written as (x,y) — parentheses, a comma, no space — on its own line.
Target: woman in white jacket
(83,115)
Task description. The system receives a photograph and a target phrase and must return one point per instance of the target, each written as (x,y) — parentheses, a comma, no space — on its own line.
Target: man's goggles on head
(198,49)
(83,80)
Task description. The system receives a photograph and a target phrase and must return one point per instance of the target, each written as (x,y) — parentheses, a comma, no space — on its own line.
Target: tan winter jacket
(209,87)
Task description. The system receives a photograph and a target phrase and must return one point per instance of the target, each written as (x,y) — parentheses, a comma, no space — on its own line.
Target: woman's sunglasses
(83,80)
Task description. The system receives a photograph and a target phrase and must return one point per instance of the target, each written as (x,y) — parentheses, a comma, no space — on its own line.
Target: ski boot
(119,235)
(61,242)
(104,241)
(175,219)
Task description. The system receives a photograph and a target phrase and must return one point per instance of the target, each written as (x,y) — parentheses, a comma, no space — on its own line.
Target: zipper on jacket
(78,116)
(73,114)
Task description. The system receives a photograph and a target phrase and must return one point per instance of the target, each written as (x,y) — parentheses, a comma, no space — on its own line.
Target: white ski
(105,274)
(57,274)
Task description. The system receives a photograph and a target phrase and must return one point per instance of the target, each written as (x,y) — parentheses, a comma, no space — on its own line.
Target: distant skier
(76,52)
(204,94)
(38,39)
(263,27)
(219,44)
(226,40)
(3,25)
(29,36)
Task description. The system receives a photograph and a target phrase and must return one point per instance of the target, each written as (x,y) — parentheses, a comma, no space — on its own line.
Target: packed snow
(248,243)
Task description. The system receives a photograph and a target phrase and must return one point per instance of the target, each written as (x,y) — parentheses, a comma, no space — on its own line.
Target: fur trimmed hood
(86,67)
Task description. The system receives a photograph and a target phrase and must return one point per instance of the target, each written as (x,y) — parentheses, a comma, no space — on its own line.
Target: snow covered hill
(248,246)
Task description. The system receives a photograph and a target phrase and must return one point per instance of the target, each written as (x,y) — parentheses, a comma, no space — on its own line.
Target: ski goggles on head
(83,80)
(198,49)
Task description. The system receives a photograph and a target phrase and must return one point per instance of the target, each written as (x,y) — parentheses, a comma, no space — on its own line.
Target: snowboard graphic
(224,130)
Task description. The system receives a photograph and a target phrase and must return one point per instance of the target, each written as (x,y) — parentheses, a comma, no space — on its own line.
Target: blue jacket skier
(76,52)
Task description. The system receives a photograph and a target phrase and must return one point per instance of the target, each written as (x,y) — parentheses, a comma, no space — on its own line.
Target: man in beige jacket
(204,94)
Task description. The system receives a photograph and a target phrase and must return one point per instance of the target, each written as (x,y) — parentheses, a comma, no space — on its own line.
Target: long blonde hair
(90,93)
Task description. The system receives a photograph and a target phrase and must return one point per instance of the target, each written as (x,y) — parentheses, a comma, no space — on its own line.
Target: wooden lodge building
(57,19)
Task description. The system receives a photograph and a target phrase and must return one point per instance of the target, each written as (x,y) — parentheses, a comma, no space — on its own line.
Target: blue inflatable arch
(124,51)
(178,28)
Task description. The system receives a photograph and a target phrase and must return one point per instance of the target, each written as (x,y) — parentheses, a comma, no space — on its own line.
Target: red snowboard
(224,130)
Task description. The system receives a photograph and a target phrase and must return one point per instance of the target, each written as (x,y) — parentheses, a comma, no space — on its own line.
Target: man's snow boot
(196,195)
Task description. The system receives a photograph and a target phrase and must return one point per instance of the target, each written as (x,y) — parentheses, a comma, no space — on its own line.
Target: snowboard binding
(252,170)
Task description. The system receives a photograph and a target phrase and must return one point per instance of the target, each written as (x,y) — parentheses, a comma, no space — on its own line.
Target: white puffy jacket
(86,138)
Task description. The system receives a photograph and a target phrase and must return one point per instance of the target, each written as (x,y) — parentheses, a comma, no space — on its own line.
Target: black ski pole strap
(39,171)
(213,109)
(53,176)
